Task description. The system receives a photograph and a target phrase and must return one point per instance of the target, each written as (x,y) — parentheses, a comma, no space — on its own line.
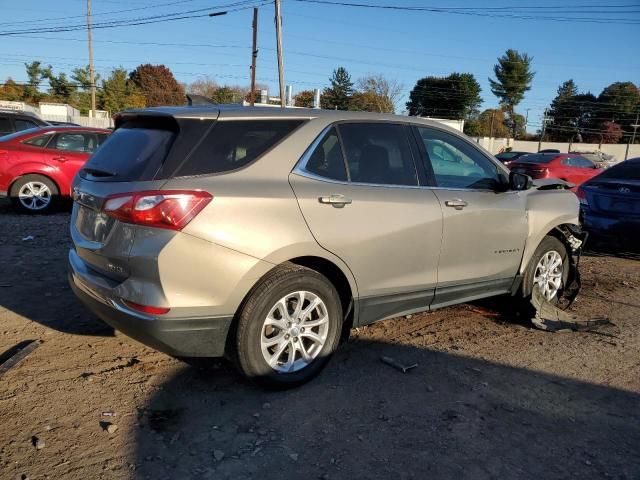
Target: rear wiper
(99,173)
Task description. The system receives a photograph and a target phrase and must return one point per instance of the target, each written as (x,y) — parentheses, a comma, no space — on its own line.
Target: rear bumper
(182,337)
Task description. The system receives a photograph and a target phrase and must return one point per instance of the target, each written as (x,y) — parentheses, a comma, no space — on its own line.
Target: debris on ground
(109,413)
(38,443)
(28,238)
(550,318)
(397,365)
(218,455)
(15,355)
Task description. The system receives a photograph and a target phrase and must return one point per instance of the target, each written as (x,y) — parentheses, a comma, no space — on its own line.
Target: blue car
(610,207)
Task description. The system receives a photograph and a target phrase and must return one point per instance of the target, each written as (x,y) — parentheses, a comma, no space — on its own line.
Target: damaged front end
(553,317)
(574,238)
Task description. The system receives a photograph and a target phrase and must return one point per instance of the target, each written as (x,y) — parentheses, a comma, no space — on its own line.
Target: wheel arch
(41,174)
(563,232)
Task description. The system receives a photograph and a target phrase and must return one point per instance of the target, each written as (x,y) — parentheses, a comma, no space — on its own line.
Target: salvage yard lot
(491,397)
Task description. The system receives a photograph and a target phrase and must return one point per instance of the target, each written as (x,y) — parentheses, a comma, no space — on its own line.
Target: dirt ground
(491,396)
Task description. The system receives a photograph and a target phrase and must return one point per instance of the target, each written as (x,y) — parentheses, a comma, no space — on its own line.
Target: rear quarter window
(233,144)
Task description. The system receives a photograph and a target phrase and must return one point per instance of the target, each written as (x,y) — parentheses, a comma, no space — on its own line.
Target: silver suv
(264,234)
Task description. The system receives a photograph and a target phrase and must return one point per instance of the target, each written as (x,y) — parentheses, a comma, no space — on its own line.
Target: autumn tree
(205,86)
(305,98)
(11,91)
(158,85)
(513,79)
(120,93)
(491,120)
(338,95)
(455,96)
(375,93)
(611,132)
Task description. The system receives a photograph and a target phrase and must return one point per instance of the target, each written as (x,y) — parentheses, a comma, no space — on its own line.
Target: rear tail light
(172,209)
(582,196)
(146,308)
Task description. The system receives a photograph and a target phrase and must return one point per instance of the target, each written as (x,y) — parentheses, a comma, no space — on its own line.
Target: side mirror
(519,181)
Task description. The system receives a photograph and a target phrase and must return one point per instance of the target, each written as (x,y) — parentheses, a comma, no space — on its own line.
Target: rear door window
(378,153)
(22,124)
(5,126)
(233,144)
(71,142)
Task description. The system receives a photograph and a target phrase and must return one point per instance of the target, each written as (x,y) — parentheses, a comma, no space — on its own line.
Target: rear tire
(34,194)
(544,269)
(288,327)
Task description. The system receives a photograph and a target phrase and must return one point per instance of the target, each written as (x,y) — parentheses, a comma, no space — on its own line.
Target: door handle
(60,159)
(337,201)
(458,204)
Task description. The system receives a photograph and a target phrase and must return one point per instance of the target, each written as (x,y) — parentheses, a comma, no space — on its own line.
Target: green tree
(61,87)
(456,96)
(619,103)
(120,93)
(513,79)
(338,95)
(82,99)
(35,74)
(572,113)
(304,98)
(158,85)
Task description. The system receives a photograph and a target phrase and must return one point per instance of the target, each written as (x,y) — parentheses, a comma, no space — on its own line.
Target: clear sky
(401,45)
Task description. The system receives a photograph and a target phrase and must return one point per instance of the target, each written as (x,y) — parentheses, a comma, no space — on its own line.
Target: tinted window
(5,125)
(457,164)
(130,154)
(506,155)
(23,124)
(537,158)
(230,145)
(39,141)
(378,153)
(327,160)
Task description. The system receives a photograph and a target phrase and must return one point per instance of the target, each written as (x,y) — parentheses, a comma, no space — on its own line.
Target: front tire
(34,194)
(548,270)
(288,327)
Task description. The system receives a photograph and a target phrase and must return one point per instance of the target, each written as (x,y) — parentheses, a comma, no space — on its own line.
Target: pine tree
(513,78)
(338,95)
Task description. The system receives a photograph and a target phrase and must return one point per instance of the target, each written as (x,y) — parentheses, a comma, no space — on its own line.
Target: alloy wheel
(34,195)
(294,332)
(548,274)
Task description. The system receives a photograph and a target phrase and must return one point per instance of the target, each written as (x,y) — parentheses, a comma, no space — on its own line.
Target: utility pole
(493,114)
(92,78)
(254,56)
(279,45)
(526,121)
(633,137)
(544,127)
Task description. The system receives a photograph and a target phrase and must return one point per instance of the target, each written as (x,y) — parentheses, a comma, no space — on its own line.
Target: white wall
(496,145)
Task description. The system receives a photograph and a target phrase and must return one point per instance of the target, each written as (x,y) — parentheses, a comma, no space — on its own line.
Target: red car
(570,167)
(38,165)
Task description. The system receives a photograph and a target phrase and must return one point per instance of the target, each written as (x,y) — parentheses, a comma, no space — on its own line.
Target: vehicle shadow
(450,417)
(33,276)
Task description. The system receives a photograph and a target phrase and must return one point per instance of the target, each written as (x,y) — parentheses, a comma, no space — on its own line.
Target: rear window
(628,170)
(507,155)
(537,158)
(233,144)
(130,154)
